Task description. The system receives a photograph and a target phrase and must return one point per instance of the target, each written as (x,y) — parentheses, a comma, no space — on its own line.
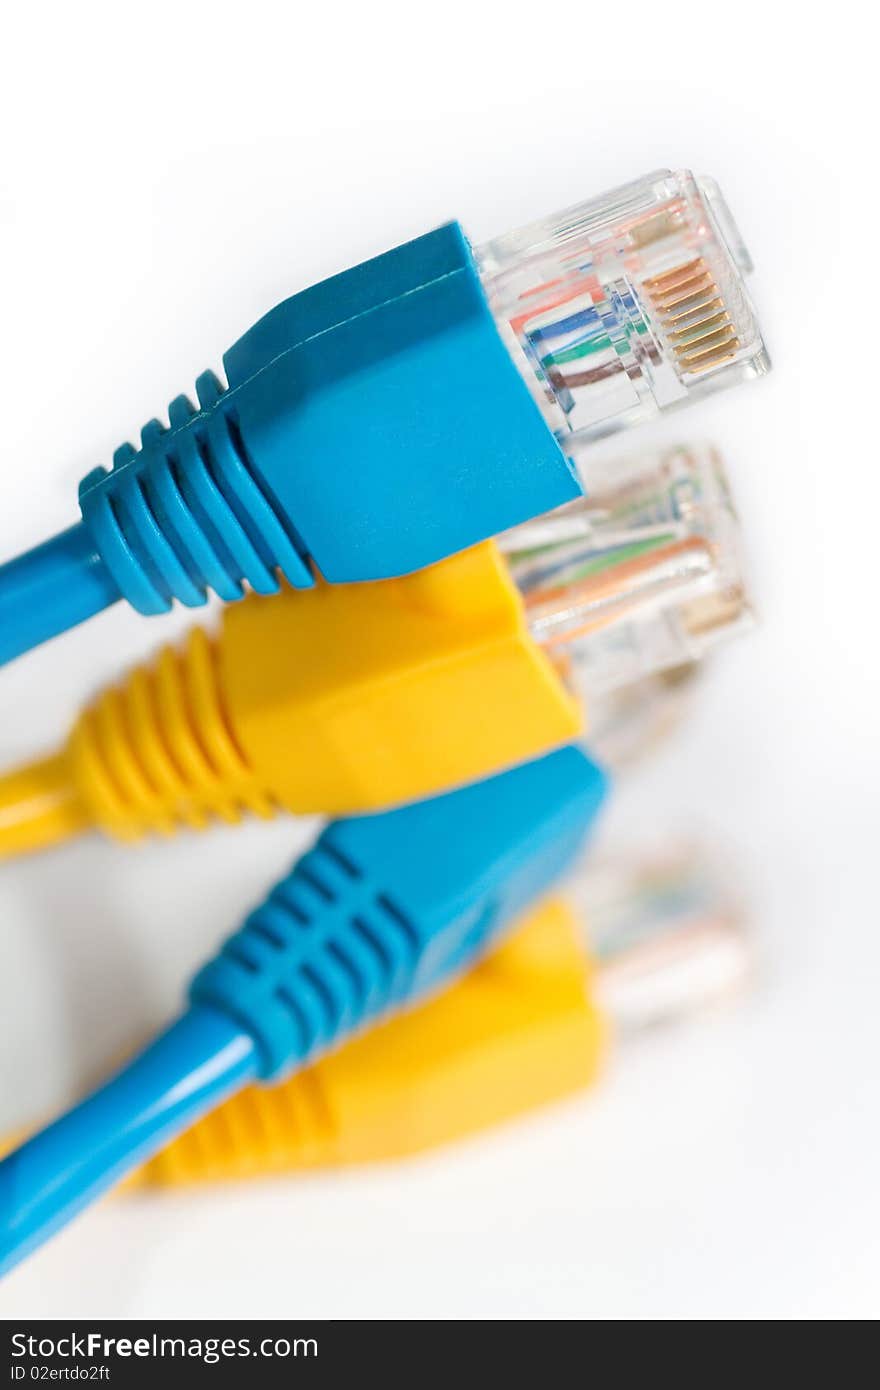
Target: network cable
(628,943)
(406,409)
(383,911)
(632,943)
(348,698)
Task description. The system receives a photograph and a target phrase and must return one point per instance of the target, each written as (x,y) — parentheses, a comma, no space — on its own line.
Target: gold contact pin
(693,315)
(690,333)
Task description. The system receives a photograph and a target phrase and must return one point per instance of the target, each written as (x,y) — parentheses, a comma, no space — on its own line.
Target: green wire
(573,354)
(597,564)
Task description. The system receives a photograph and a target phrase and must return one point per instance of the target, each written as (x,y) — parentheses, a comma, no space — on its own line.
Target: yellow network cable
(348,698)
(39,805)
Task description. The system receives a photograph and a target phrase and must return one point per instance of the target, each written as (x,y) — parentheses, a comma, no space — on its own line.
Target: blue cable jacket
(189,1069)
(369,426)
(382,911)
(51,588)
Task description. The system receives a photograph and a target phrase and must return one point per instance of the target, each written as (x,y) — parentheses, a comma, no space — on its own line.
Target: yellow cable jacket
(156,752)
(40,806)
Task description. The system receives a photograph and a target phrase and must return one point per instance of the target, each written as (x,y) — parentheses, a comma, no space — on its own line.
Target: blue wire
(51,588)
(189,1069)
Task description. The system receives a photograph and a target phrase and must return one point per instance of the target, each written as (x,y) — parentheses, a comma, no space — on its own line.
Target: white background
(169,172)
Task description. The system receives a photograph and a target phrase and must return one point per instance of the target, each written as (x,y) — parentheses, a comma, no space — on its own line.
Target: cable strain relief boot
(157,752)
(262,1130)
(518,1031)
(388,907)
(371,425)
(186,513)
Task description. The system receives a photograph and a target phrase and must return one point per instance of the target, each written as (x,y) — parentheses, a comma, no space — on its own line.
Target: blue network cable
(381,911)
(405,409)
(52,588)
(368,426)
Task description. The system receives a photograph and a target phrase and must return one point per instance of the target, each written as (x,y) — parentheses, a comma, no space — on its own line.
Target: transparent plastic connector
(625,305)
(667,934)
(631,722)
(642,575)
